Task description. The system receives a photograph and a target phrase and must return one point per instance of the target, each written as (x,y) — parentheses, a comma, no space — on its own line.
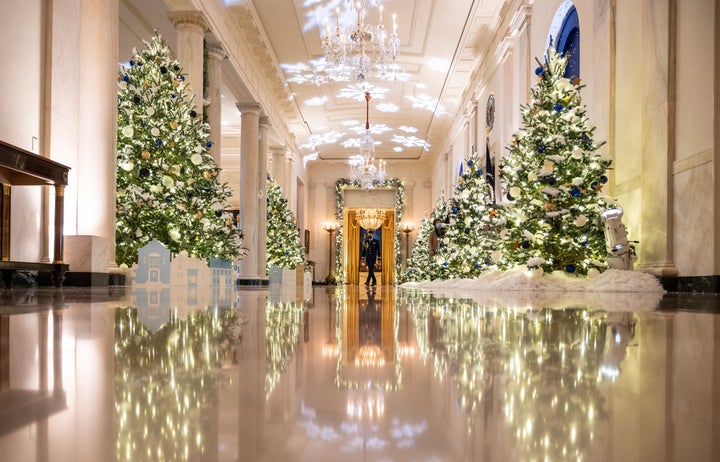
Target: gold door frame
(351,247)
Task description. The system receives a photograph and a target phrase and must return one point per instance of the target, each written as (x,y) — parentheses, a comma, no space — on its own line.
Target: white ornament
(168,182)
(534,262)
(515,192)
(580,221)
(128,131)
(496,256)
(577,153)
(196,159)
(174,234)
(150,111)
(532,176)
(577,181)
(155,131)
(535,272)
(127,166)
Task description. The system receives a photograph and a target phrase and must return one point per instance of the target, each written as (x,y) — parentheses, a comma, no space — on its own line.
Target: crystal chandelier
(362,166)
(354,52)
(370,218)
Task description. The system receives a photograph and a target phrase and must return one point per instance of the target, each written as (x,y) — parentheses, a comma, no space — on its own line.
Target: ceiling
(410,113)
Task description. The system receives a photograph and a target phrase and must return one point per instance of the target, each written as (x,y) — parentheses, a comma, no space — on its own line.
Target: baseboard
(252,282)
(694,284)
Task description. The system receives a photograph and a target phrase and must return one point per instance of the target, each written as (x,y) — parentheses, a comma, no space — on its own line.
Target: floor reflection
(355,373)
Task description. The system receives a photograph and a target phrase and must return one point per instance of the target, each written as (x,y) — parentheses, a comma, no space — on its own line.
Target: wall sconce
(330,227)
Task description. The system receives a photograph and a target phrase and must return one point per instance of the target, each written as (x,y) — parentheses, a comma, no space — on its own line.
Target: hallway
(354,373)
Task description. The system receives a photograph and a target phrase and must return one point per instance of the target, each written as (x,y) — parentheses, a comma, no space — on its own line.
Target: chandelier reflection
(362,49)
(370,218)
(364,169)
(370,356)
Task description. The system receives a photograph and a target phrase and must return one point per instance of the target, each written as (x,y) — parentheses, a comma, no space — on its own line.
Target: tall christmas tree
(167,185)
(283,248)
(554,177)
(473,225)
(421,266)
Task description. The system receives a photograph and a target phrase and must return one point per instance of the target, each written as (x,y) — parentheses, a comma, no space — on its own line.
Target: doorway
(352,248)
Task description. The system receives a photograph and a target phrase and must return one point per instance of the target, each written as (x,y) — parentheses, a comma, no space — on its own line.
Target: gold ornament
(198,214)
(174,124)
(146,154)
(176,83)
(207,175)
(549,206)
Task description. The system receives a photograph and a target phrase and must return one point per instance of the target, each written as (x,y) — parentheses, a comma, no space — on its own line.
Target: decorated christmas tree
(553,178)
(167,183)
(421,266)
(470,240)
(283,248)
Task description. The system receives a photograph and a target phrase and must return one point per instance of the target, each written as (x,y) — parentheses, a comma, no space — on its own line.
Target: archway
(564,35)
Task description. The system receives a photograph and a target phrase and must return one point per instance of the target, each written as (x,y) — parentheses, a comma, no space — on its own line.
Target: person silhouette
(372,247)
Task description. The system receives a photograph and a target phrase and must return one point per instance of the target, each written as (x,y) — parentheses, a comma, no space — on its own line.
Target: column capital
(193,18)
(264,121)
(216,51)
(249,106)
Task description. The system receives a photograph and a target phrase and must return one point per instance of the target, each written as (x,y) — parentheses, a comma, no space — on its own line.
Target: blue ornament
(132,63)
(479,171)
(139,63)
(158,142)
(551,180)
(126,78)
(143,124)
(470,163)
(168,198)
(218,213)
(445,264)
(193,114)
(173,96)
(558,107)
(540,148)
(525,244)
(182,78)
(467,230)
(603,179)
(477,265)
(163,70)
(136,99)
(509,197)
(539,71)
(144,172)
(176,67)
(570,268)
(594,185)
(455,210)
(575,192)
(208,144)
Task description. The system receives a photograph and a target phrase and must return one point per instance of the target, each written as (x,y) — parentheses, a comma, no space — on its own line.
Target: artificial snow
(612,290)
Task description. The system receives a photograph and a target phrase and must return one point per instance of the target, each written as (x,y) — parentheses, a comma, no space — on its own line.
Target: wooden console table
(22,168)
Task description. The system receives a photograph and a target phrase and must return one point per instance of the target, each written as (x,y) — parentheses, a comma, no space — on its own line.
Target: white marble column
(658,138)
(264,125)
(216,55)
(92,248)
(190,27)
(249,129)
(291,182)
(278,166)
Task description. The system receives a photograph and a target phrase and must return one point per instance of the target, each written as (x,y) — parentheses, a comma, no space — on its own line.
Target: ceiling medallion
(370,218)
(362,166)
(356,51)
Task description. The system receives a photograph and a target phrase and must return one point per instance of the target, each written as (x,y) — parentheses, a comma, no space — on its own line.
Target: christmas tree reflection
(282,329)
(544,365)
(166,381)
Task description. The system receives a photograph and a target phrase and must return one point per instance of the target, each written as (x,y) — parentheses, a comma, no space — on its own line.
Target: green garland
(340,186)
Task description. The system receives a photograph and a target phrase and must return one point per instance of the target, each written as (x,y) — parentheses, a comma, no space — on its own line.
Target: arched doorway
(564,35)
(353,231)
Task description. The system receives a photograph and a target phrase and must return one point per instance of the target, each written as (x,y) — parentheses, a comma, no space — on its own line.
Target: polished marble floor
(354,374)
